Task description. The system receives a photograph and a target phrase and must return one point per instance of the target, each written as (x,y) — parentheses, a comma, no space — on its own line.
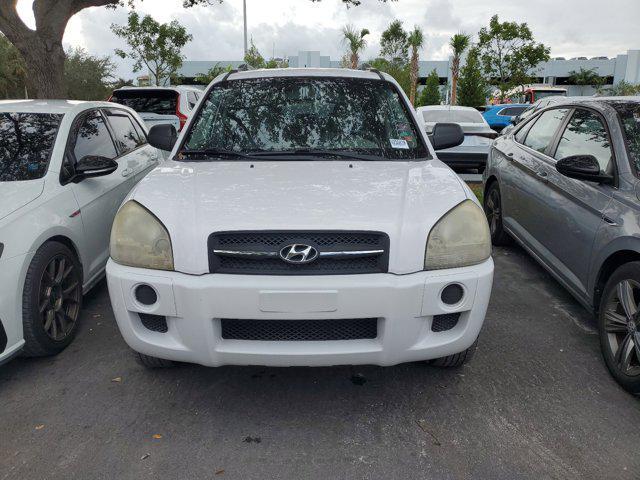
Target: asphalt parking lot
(536,402)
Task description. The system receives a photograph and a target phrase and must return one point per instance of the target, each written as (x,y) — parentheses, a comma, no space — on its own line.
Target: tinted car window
(585,134)
(26,141)
(161,102)
(126,136)
(93,138)
(544,128)
(630,116)
(288,114)
(512,111)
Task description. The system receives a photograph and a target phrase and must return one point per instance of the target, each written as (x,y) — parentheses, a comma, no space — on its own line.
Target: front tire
(493,211)
(619,326)
(457,359)
(51,300)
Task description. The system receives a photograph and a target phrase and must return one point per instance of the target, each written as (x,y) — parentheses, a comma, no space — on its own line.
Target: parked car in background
(501,116)
(534,93)
(302,219)
(65,167)
(565,185)
(539,105)
(159,105)
(478,136)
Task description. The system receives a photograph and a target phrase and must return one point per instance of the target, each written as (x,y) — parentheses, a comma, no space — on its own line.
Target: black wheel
(493,211)
(619,326)
(51,300)
(457,359)
(153,362)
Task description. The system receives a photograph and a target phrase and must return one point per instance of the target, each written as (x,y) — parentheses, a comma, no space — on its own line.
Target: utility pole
(244,5)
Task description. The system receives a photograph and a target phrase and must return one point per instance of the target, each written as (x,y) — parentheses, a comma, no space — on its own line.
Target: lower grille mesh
(155,323)
(442,323)
(299,330)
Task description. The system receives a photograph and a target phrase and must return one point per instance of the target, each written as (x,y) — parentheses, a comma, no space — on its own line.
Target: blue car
(499,116)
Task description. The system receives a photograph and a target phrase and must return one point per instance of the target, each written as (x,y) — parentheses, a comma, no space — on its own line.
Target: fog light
(452,294)
(146,295)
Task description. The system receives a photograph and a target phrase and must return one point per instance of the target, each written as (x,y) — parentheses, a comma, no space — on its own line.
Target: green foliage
(87,77)
(13,71)
(394,44)
(430,94)
(472,86)
(157,46)
(621,89)
(356,43)
(508,52)
(415,42)
(585,77)
(254,59)
(213,72)
(401,72)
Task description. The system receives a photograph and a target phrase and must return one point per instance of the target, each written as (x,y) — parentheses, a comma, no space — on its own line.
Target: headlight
(138,239)
(459,239)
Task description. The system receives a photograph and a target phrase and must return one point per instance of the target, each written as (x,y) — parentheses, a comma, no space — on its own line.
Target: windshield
(630,115)
(26,141)
(161,102)
(285,115)
(452,116)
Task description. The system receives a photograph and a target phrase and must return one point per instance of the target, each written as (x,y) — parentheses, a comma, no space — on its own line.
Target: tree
(213,72)
(13,71)
(621,89)
(42,49)
(154,45)
(254,59)
(87,77)
(400,72)
(508,53)
(356,42)
(415,41)
(430,94)
(472,86)
(459,43)
(585,78)
(394,44)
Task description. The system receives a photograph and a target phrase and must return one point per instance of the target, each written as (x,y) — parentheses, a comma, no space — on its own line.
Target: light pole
(244,8)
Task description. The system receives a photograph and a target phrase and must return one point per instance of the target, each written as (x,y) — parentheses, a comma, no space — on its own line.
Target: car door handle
(127,171)
(543,174)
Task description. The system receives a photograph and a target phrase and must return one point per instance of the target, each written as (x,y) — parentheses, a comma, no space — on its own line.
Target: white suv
(65,168)
(303,219)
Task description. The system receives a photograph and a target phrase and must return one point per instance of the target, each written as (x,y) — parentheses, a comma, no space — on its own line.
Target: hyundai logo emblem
(298,253)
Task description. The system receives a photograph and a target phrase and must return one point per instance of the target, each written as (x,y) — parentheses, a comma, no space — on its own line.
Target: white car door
(98,198)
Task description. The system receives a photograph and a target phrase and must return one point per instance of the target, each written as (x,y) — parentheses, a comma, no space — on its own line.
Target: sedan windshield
(26,141)
(305,117)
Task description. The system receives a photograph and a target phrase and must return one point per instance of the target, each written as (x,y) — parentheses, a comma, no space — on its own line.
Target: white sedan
(65,167)
(303,219)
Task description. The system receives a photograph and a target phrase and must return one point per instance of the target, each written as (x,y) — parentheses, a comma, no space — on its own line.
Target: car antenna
(227,75)
(377,72)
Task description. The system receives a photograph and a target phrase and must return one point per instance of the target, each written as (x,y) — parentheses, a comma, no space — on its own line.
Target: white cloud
(570,28)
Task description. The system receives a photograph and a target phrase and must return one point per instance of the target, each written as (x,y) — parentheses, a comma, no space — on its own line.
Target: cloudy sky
(570,27)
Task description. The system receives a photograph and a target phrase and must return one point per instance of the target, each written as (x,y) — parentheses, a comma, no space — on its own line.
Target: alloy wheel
(492,210)
(621,327)
(59,298)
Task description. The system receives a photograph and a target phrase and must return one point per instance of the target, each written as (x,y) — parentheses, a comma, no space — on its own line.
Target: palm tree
(459,43)
(415,41)
(356,42)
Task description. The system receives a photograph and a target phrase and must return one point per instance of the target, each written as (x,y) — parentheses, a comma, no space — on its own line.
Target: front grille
(442,323)
(269,244)
(299,330)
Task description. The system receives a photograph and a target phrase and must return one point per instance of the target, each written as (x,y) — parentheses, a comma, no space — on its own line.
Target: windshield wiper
(214,152)
(318,153)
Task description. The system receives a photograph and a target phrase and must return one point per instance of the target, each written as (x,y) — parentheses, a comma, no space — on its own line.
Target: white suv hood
(15,195)
(402,199)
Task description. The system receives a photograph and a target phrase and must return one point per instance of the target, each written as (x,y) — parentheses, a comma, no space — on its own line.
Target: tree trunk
(454,89)
(415,65)
(354,60)
(45,63)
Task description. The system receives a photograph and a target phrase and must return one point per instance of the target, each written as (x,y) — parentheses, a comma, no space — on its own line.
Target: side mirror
(446,135)
(583,167)
(163,136)
(93,166)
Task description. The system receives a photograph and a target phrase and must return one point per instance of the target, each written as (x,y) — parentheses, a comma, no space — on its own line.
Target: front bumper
(403,304)
(12,272)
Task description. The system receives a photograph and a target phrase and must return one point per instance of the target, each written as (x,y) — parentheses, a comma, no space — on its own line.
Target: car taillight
(181,116)
(110,97)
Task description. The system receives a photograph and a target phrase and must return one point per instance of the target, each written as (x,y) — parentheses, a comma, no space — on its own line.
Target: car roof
(506,105)
(173,88)
(49,106)
(305,72)
(447,107)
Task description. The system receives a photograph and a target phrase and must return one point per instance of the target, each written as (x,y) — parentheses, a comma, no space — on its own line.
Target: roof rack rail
(377,72)
(227,75)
